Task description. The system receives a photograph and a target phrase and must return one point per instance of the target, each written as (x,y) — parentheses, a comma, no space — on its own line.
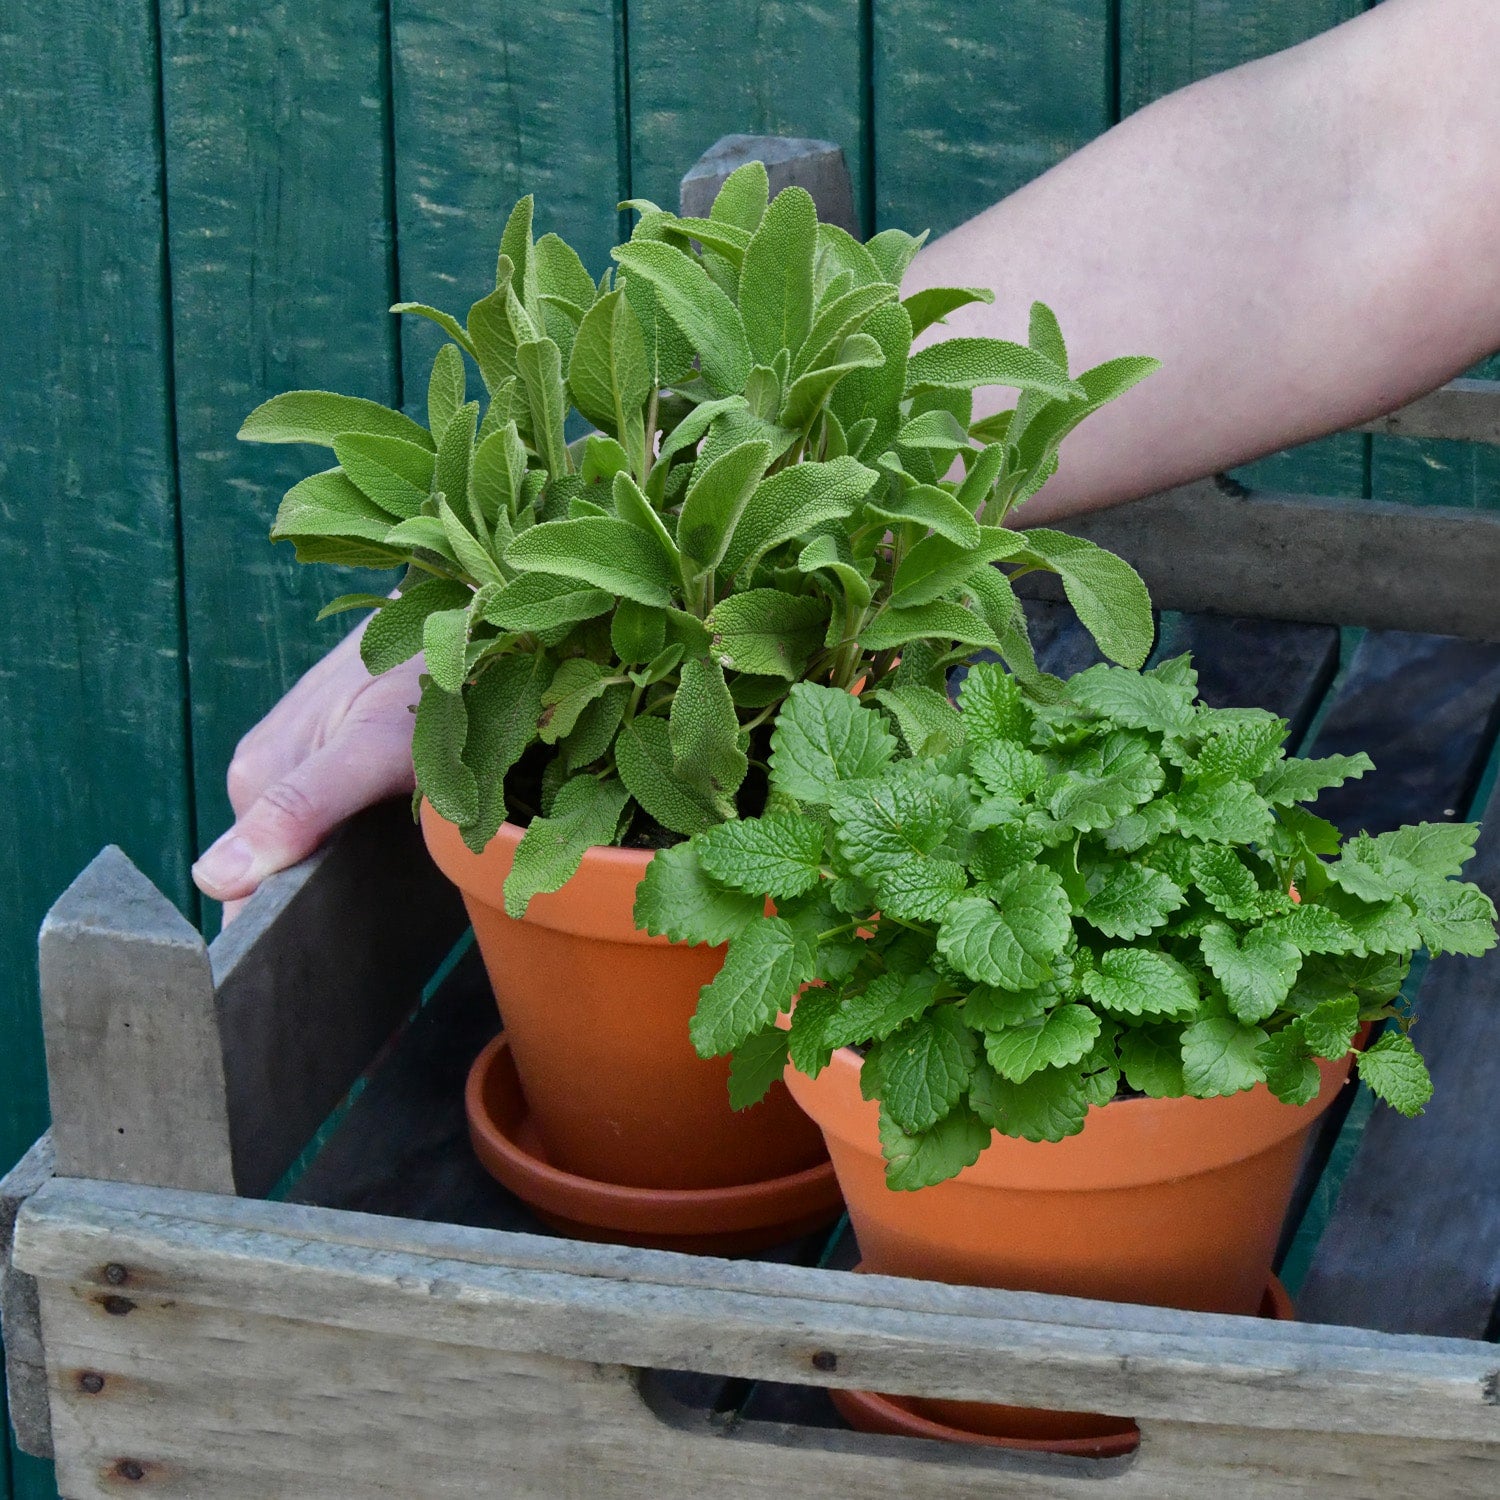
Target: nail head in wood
(91,1381)
(790,161)
(130,1471)
(825,1359)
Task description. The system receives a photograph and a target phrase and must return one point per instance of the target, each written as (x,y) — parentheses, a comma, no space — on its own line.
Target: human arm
(1305,242)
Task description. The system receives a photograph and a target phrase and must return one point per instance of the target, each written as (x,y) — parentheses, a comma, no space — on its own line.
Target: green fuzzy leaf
(445,391)
(923,1069)
(1257,972)
(792,502)
(810,391)
(934,1155)
(1290,1073)
(472,557)
(596,728)
(643,754)
(742,199)
(395,474)
(1243,753)
(767,632)
(1141,982)
(1048,1106)
(669,354)
(678,899)
(991,1009)
(321,416)
(824,738)
(838,318)
(1329,1028)
(888,1003)
(539,364)
(1105,783)
(716,501)
(939,620)
(1230,812)
(776,280)
(1134,700)
(705,316)
(1131,901)
(637,632)
(970,362)
(1144,826)
(633,508)
(927,505)
(1314,929)
(762,972)
(924,716)
(608,553)
(503,705)
(992,706)
(1301,780)
(446,321)
(893,250)
(810,1049)
(585,812)
(1223,877)
(777,856)
(757,1063)
(1012,939)
(329,505)
(839,252)
(1436,850)
(937,565)
(1453,917)
(1393,1070)
(573,687)
(938,430)
(1056,1040)
(540,601)
(906,813)
(395,634)
(560,272)
(874,395)
(1219,1056)
(346,602)
(834,554)
(445,637)
(933,304)
(1104,590)
(704,733)
(1006,769)
(497,475)
(607,370)
(1377,926)
(437,754)
(1151,1060)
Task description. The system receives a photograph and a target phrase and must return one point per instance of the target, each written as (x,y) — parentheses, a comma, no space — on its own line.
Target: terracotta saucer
(704,1221)
(1085,1435)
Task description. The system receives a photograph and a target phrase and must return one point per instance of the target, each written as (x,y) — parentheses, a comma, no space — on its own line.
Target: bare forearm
(1304,242)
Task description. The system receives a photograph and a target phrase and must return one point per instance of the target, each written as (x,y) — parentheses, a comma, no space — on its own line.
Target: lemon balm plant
(775,488)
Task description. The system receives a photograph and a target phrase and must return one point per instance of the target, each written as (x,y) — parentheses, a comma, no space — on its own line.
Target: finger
(294,815)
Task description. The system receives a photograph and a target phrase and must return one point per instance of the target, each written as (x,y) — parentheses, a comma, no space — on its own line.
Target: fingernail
(225,863)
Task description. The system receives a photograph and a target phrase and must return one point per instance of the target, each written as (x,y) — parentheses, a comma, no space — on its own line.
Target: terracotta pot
(1173,1202)
(596,1015)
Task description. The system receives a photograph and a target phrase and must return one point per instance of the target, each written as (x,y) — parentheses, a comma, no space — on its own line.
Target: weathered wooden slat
(971,102)
(281,255)
(1208,547)
(1220,1369)
(92,741)
(493,102)
(1426,1192)
(316,973)
(20,1312)
(818,166)
(134,1069)
(256,1407)
(1461,411)
(743,68)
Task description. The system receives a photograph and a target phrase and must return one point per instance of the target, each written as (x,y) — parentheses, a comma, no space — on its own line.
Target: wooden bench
(256,1257)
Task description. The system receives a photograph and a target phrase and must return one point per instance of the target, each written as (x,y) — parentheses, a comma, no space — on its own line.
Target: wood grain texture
(314,976)
(1461,411)
(754,1321)
(1165,45)
(281,276)
(25,1378)
(751,67)
(92,743)
(1208,547)
(1446,473)
(134,1068)
(493,101)
(973,101)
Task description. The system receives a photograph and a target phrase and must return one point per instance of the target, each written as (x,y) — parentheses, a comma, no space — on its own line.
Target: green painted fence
(203,202)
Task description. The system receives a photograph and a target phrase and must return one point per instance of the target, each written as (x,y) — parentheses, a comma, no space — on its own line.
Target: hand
(339,741)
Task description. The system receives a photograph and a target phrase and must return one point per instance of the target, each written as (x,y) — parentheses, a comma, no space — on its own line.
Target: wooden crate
(175,1326)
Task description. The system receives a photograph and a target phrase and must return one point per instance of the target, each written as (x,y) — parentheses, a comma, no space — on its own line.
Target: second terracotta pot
(596,1014)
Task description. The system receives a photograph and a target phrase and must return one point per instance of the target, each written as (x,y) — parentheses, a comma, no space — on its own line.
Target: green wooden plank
(753,67)
(1430,473)
(282,271)
(973,101)
(92,741)
(1168,44)
(493,102)
(33,1479)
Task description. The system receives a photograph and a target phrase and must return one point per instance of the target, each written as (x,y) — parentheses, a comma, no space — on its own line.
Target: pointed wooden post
(818,166)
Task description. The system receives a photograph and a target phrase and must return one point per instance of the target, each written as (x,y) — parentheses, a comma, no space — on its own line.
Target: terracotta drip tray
(705,1221)
(1082,1434)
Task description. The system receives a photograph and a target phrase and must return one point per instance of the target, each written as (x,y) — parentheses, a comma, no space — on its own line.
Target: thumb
(292,816)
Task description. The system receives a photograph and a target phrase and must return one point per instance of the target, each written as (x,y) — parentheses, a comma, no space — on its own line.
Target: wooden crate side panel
(92,740)
(973,101)
(493,101)
(281,276)
(744,67)
(1166,45)
(1439,473)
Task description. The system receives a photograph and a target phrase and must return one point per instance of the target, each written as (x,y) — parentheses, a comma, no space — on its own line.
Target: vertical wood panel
(281,276)
(972,101)
(92,744)
(1168,44)
(754,67)
(492,101)
(1425,473)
